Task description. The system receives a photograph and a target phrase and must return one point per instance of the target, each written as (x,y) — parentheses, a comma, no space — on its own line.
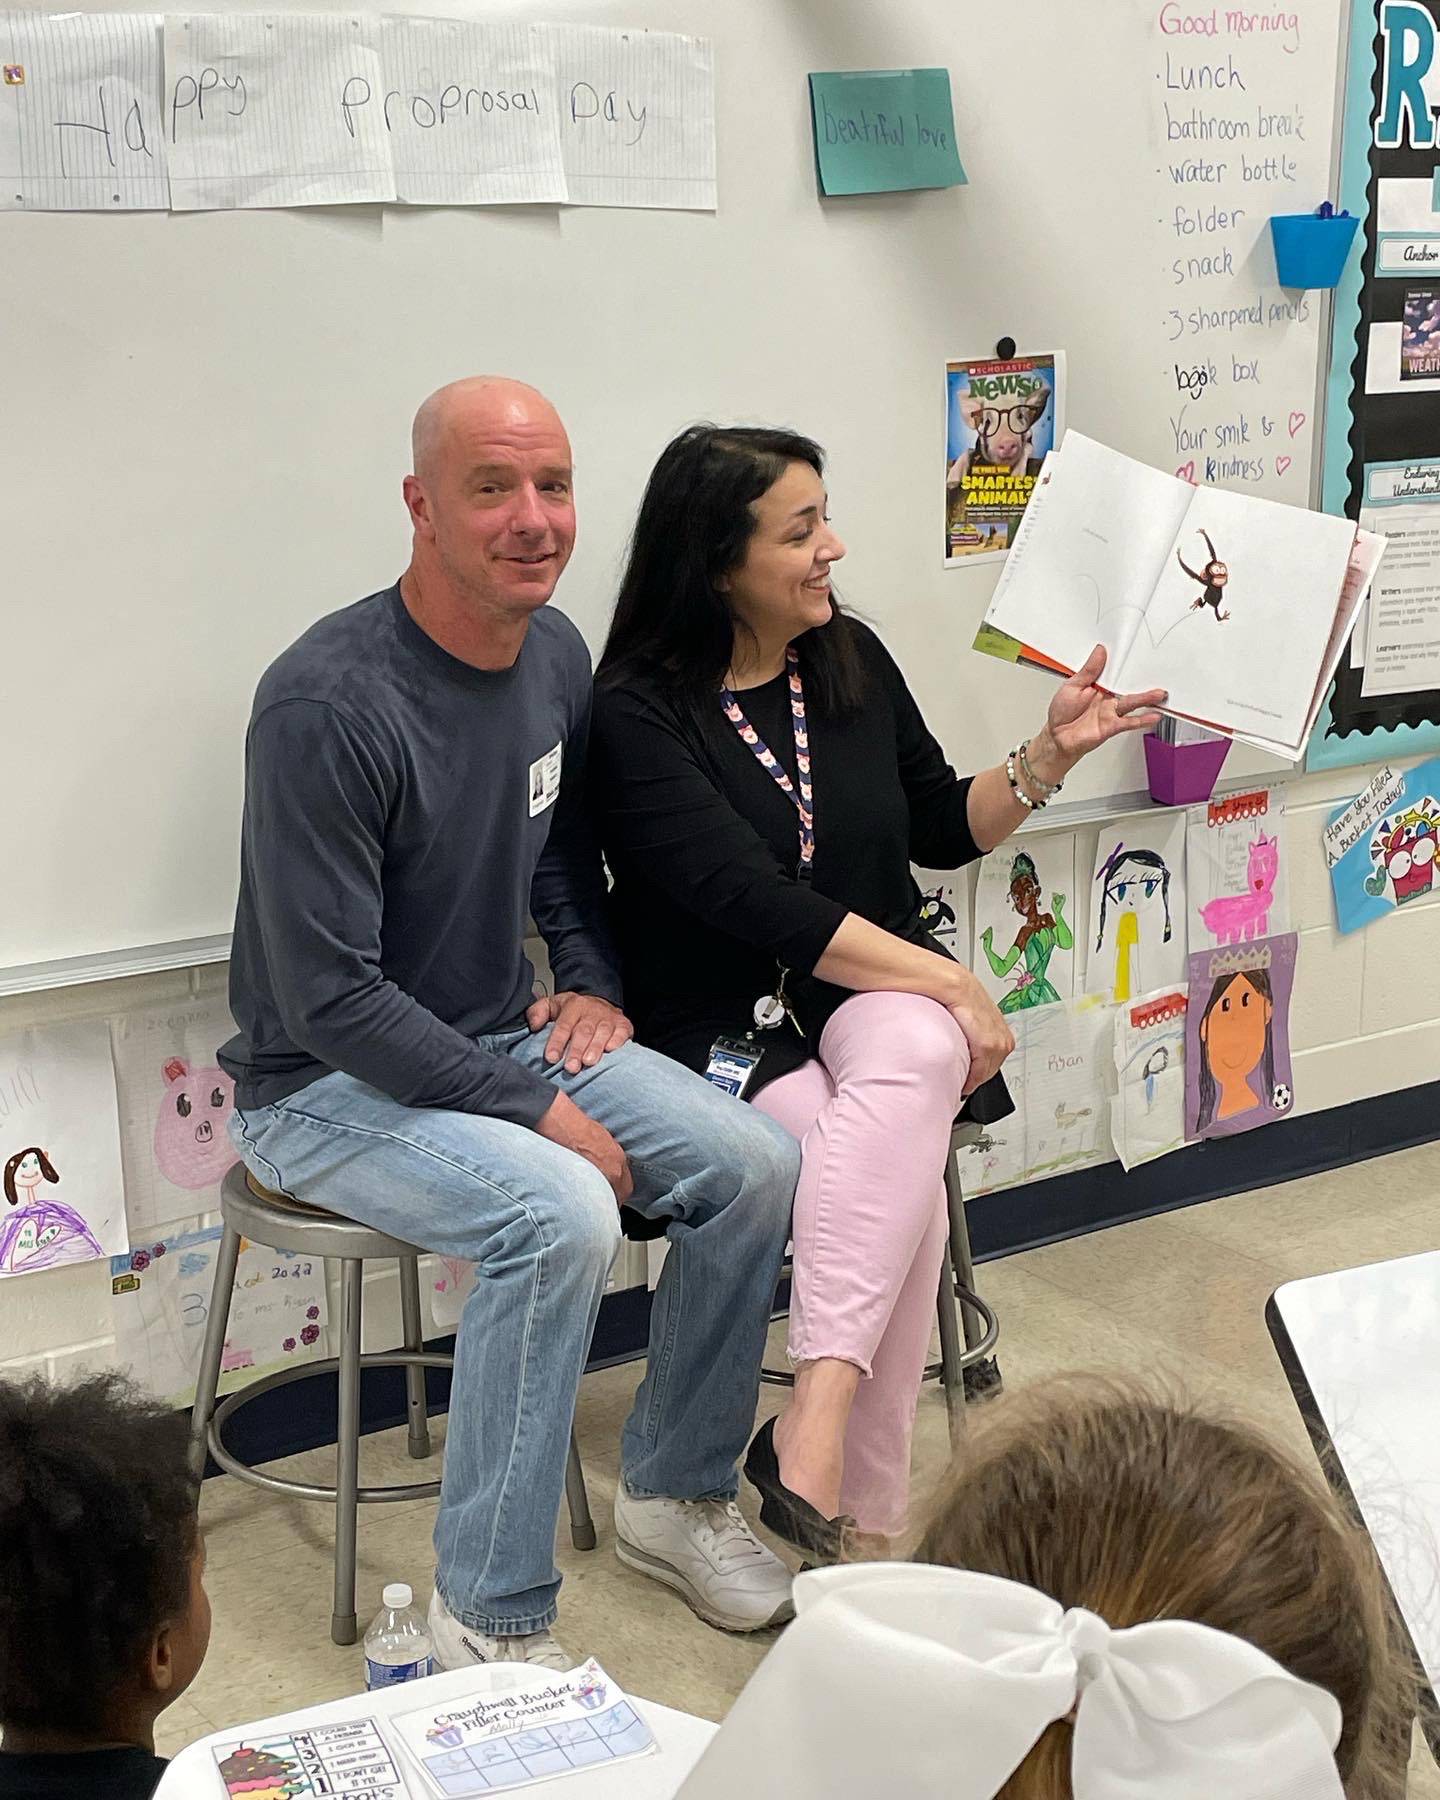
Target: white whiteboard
(206,416)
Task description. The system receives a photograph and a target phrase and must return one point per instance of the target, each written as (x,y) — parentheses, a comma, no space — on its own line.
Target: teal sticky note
(881,130)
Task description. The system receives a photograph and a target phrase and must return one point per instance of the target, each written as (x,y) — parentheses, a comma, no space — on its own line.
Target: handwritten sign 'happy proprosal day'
(881,130)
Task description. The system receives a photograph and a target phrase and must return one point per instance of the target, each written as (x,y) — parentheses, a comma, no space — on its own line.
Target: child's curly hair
(1104,1494)
(98,1529)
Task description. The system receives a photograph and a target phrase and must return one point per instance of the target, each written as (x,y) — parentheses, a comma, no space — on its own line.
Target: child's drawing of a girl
(1037,940)
(39,1233)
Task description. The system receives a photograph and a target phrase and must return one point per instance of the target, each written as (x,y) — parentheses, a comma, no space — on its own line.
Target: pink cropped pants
(873,1116)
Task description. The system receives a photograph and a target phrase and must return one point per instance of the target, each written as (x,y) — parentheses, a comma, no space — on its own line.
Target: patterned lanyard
(804,801)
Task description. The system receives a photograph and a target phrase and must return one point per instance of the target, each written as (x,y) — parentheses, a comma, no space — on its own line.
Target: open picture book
(1238,607)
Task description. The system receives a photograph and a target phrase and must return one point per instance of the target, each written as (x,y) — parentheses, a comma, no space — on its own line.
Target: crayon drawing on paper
(1237,869)
(1024,904)
(62,1198)
(945,908)
(1237,1038)
(1138,909)
(162,1293)
(1147,1110)
(176,1103)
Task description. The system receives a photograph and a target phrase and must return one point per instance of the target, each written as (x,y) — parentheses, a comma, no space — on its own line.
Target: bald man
(413,790)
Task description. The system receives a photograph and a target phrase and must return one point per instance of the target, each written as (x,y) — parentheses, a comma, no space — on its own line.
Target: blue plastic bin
(1310,252)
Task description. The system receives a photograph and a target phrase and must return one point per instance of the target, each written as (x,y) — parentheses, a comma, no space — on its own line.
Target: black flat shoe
(787,1514)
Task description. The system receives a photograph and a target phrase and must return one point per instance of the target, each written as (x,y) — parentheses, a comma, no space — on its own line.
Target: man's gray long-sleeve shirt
(401,821)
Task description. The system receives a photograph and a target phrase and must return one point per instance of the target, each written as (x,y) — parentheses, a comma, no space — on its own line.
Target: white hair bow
(904,1679)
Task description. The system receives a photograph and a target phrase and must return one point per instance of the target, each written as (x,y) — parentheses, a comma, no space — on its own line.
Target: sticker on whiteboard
(545,780)
(14,74)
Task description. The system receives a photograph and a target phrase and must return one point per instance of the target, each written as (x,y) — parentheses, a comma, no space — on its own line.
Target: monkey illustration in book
(1212,579)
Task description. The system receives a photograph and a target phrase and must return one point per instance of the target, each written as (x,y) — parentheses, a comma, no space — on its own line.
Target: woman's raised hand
(1081,717)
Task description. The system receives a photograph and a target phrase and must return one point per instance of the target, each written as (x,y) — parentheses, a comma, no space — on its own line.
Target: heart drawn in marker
(1282,463)
(1186,471)
(1297,421)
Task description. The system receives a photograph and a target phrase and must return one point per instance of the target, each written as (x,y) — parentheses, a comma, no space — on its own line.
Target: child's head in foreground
(103,1614)
(1104,1495)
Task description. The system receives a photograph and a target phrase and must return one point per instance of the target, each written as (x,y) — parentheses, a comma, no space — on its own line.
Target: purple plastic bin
(1181,774)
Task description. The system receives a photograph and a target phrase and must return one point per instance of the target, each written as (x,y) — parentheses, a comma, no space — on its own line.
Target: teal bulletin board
(1379,435)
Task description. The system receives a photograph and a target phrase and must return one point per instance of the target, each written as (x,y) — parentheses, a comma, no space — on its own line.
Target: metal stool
(250,1211)
(971,1373)
(977,1321)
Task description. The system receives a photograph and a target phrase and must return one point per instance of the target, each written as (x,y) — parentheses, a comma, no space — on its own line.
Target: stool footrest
(980,1352)
(778,1377)
(308,1490)
(970,1359)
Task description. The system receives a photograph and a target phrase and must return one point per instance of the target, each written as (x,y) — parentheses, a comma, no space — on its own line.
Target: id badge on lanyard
(733,1060)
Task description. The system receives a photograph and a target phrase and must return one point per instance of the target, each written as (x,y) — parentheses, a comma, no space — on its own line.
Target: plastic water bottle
(397,1645)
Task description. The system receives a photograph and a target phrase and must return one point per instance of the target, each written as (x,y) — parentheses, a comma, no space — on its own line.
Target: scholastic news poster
(1000,420)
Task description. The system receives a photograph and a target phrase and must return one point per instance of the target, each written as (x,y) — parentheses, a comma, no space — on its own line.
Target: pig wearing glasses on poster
(192,1146)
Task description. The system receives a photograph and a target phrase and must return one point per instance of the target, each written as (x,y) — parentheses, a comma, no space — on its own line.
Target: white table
(1361,1350)
(679,1739)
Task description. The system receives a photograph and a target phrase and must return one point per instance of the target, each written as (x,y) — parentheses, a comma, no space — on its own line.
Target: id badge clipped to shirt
(732,1064)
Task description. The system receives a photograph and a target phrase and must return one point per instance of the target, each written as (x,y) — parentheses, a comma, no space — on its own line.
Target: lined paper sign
(80,113)
(12,177)
(274,109)
(471,112)
(882,130)
(637,116)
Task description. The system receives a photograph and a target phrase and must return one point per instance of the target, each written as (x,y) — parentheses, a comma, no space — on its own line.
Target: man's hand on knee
(585,1028)
(566,1125)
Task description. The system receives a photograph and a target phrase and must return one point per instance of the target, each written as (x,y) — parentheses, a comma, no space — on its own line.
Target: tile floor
(1180,1295)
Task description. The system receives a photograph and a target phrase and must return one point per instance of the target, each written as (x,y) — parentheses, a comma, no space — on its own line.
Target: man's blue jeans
(542,1225)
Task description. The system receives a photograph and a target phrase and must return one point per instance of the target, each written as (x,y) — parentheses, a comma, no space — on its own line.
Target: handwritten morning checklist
(1232,143)
(197,111)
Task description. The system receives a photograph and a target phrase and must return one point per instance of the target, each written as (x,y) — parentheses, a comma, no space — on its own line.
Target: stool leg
(952,1370)
(415,1405)
(343,1628)
(217,1322)
(960,1249)
(984,1377)
(582,1526)
(781,1377)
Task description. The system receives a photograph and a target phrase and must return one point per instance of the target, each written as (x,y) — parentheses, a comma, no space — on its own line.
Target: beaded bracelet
(1049,789)
(1015,787)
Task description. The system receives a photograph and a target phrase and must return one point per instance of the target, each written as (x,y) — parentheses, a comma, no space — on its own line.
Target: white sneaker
(460,1646)
(709,1555)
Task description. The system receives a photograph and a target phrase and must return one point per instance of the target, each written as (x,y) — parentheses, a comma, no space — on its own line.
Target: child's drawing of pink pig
(192,1147)
(1237,918)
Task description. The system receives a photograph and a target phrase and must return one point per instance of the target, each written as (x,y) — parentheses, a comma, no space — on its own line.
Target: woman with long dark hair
(762,780)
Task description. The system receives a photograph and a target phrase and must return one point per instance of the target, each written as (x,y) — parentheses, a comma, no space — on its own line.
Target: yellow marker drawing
(1127,940)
